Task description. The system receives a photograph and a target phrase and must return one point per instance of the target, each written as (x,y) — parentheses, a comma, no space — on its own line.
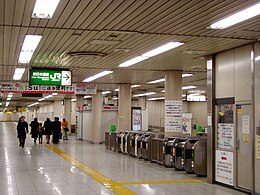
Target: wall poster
(173,116)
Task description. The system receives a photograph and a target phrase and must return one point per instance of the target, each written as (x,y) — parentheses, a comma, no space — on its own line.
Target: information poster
(186,123)
(225,167)
(245,125)
(173,116)
(257,142)
(225,135)
(137,119)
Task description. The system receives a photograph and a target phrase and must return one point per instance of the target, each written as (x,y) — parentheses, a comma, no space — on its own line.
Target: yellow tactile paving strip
(161,182)
(116,187)
(107,182)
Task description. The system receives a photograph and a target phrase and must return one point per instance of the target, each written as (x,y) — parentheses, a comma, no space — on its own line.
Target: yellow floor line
(107,182)
(161,182)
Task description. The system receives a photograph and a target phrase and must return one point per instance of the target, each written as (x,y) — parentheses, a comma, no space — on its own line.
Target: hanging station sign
(85,88)
(25,88)
(54,77)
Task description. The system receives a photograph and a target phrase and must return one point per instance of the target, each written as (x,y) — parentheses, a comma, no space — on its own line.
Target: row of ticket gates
(182,153)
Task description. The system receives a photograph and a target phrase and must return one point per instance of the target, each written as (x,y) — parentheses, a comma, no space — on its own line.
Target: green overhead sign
(49,77)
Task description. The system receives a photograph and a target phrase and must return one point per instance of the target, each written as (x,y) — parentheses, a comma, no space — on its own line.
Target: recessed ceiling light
(151,53)
(101,74)
(134,86)
(106,92)
(237,17)
(158,98)
(144,94)
(44,8)
(87,96)
(29,46)
(18,73)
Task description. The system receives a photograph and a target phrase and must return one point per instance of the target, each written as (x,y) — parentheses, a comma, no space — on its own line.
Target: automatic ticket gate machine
(168,151)
(179,153)
(188,155)
(200,157)
(146,146)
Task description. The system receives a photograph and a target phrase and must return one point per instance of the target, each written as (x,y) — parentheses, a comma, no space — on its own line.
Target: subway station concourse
(145,97)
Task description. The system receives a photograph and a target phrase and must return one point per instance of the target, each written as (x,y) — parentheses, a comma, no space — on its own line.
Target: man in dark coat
(22,130)
(56,130)
(34,128)
(47,129)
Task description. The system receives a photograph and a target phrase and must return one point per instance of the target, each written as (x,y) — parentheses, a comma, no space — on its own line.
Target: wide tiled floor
(38,170)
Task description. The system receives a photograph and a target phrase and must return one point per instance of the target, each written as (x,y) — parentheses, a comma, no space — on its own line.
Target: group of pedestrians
(49,128)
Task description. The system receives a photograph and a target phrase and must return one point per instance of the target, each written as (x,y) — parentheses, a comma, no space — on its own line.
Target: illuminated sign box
(54,77)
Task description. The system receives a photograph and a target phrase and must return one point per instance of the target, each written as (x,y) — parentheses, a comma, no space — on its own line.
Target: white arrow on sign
(66,78)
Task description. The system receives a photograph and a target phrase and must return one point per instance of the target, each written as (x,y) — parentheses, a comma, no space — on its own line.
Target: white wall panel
(243,74)
(225,75)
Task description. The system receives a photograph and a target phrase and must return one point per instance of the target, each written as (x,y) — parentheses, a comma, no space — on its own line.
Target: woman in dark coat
(22,129)
(34,128)
(56,130)
(47,129)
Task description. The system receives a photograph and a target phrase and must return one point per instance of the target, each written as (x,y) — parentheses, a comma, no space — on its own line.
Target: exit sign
(49,77)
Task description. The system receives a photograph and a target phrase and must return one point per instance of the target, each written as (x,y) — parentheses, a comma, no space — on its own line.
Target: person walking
(47,130)
(34,128)
(56,130)
(22,130)
(65,129)
(40,132)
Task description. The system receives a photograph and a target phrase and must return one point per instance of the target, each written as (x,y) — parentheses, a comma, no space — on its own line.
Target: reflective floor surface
(76,168)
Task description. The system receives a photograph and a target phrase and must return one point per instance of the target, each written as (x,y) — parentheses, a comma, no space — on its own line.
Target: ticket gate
(167,151)
(118,142)
(127,143)
(139,145)
(179,154)
(107,140)
(123,142)
(175,141)
(188,157)
(132,137)
(200,158)
(146,146)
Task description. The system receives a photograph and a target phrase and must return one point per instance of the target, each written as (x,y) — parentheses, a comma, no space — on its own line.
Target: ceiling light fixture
(117,89)
(44,8)
(106,92)
(87,96)
(101,74)
(184,88)
(7,104)
(238,17)
(188,87)
(144,94)
(42,99)
(48,96)
(158,98)
(187,75)
(18,73)
(134,86)
(8,99)
(10,95)
(163,79)
(36,103)
(151,53)
(29,45)
(54,94)
(156,81)
(73,100)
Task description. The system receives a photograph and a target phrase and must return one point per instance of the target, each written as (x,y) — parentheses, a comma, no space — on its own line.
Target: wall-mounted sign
(85,88)
(54,77)
(173,116)
(25,88)
(186,123)
(224,167)
(257,146)
(225,135)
